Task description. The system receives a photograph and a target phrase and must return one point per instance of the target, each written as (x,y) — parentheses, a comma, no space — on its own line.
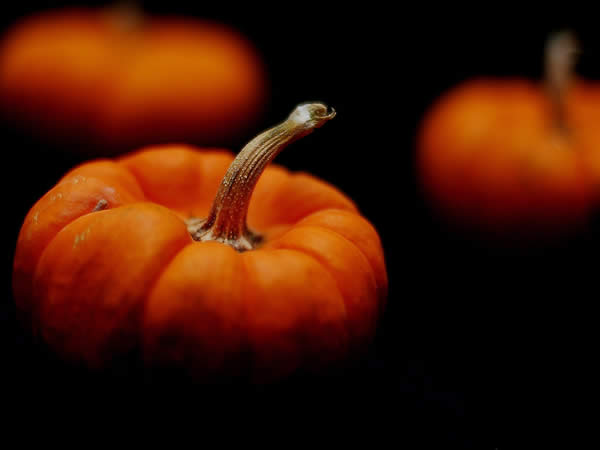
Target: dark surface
(480,339)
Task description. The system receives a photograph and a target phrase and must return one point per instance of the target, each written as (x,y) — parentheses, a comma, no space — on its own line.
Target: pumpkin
(513,156)
(133,255)
(113,79)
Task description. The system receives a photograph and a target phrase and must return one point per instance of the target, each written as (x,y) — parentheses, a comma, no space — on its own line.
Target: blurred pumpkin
(513,156)
(112,79)
(115,258)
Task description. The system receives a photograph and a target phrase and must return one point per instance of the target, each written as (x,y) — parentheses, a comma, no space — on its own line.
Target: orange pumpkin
(115,79)
(116,258)
(513,155)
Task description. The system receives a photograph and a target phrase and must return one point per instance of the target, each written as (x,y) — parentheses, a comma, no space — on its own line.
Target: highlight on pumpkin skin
(112,80)
(513,158)
(227,219)
(106,268)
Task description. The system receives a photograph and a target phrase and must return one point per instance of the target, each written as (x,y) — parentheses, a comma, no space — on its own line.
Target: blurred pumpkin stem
(227,219)
(125,15)
(562,50)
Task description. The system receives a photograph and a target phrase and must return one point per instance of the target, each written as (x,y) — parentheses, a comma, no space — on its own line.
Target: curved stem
(227,218)
(561,55)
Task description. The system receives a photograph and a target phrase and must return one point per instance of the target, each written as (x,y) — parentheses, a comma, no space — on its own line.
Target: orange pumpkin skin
(89,76)
(100,284)
(490,155)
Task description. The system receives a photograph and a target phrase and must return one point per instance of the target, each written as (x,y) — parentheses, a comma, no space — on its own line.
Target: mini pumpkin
(513,156)
(129,255)
(115,79)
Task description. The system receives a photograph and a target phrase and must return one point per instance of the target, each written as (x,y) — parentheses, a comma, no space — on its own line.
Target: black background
(481,338)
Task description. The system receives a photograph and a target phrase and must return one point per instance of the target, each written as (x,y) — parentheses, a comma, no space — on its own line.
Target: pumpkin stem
(227,219)
(125,15)
(562,50)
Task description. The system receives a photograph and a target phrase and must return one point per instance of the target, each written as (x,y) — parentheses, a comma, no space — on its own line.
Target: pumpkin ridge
(154,283)
(346,205)
(99,211)
(138,311)
(118,191)
(380,287)
(352,207)
(306,356)
(143,307)
(320,263)
(288,186)
(73,219)
(83,165)
(37,264)
(116,164)
(314,254)
(321,228)
(200,158)
(22,259)
(121,163)
(345,321)
(246,285)
(174,316)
